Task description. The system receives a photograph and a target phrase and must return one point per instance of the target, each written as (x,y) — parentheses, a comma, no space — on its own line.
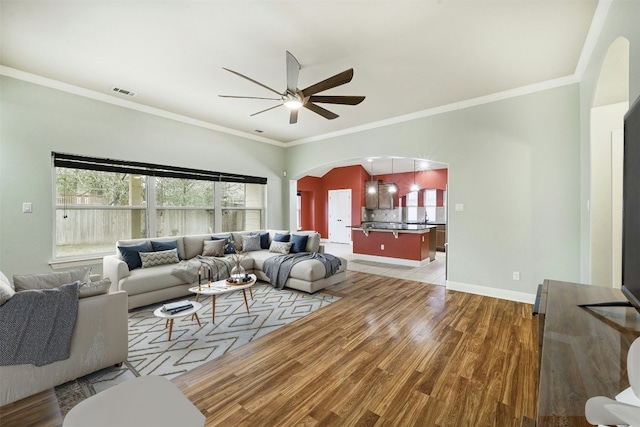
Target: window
(100,201)
(183,206)
(430,204)
(94,209)
(241,206)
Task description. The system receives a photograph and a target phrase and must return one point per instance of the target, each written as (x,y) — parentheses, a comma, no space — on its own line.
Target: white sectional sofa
(157,283)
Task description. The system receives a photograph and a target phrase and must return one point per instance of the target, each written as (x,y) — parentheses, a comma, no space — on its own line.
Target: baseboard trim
(491,292)
(390,260)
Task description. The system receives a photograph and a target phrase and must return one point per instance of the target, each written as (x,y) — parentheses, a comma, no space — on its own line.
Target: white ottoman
(144,401)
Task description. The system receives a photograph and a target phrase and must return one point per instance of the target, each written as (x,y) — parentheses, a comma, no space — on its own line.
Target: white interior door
(340,216)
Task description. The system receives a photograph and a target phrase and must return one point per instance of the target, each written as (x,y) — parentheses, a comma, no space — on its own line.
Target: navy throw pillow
(229,246)
(264,240)
(131,254)
(299,243)
(166,245)
(281,237)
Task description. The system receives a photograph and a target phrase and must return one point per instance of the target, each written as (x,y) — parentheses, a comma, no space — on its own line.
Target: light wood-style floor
(389,353)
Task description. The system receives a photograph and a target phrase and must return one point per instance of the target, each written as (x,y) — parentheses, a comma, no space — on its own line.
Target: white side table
(170,317)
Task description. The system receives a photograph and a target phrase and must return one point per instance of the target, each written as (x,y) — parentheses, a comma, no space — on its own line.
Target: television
(630,213)
(631,207)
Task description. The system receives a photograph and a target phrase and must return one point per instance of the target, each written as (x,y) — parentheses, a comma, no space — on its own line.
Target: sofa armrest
(321,249)
(115,269)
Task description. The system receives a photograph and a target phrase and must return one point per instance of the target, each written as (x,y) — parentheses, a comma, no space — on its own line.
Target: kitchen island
(407,244)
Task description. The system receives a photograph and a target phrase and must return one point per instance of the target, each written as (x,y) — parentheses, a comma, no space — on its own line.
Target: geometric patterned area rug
(191,345)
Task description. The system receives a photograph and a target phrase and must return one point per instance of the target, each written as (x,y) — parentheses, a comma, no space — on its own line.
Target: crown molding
(125,103)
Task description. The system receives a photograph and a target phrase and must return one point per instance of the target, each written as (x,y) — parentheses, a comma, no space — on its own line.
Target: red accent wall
(314,192)
(315,196)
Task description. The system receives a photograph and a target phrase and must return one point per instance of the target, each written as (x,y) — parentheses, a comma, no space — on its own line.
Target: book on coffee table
(175,307)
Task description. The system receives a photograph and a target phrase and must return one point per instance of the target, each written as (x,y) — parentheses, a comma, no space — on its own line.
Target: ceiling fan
(294,98)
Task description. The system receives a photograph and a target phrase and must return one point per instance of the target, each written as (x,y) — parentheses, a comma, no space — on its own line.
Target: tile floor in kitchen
(433,273)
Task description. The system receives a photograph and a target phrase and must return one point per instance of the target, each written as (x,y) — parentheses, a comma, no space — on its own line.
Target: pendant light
(392,187)
(371,188)
(414,187)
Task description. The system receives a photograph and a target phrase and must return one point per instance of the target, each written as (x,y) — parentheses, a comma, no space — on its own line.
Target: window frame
(146,171)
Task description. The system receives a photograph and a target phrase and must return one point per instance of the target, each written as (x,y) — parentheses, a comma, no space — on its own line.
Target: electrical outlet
(516,275)
(382,247)
(27,207)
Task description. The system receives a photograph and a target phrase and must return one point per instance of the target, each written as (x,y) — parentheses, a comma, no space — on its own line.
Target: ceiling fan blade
(293,70)
(253,81)
(319,110)
(249,97)
(270,108)
(346,100)
(331,82)
(293,117)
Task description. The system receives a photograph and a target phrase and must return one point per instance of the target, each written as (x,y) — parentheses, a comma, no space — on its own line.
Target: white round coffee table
(193,311)
(223,287)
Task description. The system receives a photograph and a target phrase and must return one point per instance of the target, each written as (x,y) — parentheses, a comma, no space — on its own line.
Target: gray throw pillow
(251,242)
(51,280)
(213,248)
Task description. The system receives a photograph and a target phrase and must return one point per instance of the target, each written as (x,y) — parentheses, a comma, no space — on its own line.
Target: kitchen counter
(393,242)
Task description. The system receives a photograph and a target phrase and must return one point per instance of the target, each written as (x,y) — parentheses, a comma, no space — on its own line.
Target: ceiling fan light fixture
(293,104)
(292,101)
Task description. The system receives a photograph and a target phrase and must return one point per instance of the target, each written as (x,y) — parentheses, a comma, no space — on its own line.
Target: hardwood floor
(389,353)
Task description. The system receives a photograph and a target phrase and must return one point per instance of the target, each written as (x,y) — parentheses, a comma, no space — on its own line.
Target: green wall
(37,120)
(513,164)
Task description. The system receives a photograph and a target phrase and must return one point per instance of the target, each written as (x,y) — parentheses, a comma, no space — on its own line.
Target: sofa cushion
(213,248)
(150,280)
(131,254)
(313,242)
(165,245)
(280,247)
(251,242)
(89,289)
(152,259)
(194,245)
(51,280)
(298,243)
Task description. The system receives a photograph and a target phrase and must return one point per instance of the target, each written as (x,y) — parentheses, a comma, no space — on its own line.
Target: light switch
(27,207)
(459,207)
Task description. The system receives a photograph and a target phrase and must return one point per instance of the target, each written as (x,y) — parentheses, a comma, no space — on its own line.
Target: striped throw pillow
(151,259)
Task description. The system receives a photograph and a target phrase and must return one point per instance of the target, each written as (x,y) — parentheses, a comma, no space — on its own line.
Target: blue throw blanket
(277,268)
(36,325)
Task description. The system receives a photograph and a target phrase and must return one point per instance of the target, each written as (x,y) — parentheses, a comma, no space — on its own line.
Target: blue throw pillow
(229,246)
(264,241)
(131,254)
(281,237)
(299,243)
(166,245)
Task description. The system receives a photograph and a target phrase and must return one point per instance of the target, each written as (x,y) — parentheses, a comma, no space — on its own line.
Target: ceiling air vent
(123,91)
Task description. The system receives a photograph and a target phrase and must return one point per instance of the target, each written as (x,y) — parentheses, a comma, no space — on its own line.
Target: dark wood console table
(583,351)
